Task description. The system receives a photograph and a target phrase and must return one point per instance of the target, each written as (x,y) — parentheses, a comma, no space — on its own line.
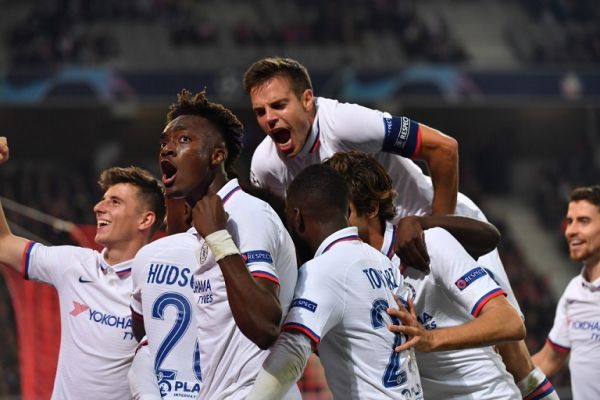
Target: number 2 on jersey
(184,317)
(393,375)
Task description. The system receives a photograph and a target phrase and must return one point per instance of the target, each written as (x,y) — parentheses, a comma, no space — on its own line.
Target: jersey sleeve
(259,239)
(137,275)
(318,302)
(49,264)
(371,131)
(558,337)
(462,277)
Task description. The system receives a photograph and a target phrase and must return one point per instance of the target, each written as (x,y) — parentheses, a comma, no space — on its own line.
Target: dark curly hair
(369,183)
(222,118)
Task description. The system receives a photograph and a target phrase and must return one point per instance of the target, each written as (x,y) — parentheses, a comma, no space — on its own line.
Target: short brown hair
(265,69)
(151,189)
(587,193)
(368,182)
(228,125)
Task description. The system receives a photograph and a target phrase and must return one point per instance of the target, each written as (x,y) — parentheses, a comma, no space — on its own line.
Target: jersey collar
(228,190)
(389,238)
(121,269)
(343,235)
(592,286)
(313,141)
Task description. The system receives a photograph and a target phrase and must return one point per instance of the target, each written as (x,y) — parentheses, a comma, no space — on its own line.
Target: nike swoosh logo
(84,280)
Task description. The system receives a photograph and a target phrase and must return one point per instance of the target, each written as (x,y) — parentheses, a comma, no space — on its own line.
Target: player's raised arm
(11,247)
(440,151)
(4,153)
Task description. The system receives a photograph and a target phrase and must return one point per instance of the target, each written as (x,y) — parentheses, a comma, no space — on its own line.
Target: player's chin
(174,192)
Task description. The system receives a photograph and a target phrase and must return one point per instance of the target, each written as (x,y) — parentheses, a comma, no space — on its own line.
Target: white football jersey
(228,361)
(96,344)
(232,360)
(340,303)
(577,330)
(163,285)
(344,127)
(453,293)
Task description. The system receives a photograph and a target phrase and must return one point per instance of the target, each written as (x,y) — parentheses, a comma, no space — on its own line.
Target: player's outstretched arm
(497,322)
(141,375)
(550,360)
(282,368)
(259,322)
(440,151)
(11,246)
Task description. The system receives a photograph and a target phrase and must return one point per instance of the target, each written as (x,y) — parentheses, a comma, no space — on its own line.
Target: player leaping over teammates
(462,309)
(303,129)
(339,304)
(97,344)
(212,298)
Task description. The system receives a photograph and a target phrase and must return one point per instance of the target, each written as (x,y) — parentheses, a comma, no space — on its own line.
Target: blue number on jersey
(393,375)
(184,317)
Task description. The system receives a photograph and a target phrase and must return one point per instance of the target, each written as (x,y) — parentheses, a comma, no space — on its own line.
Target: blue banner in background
(449,83)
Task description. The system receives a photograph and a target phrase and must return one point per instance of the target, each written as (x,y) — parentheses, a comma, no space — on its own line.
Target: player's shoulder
(265,156)
(249,210)
(438,240)
(574,285)
(66,252)
(173,243)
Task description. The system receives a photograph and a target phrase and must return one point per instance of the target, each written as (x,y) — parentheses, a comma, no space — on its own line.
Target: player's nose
(168,149)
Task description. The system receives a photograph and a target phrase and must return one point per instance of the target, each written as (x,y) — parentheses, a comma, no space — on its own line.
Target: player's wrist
(221,244)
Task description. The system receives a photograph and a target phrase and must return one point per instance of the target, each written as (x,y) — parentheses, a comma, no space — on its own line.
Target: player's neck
(322,231)
(591,270)
(374,233)
(119,253)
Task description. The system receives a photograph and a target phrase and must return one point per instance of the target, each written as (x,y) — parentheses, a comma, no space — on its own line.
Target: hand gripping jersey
(340,303)
(211,357)
(453,293)
(96,344)
(343,127)
(577,330)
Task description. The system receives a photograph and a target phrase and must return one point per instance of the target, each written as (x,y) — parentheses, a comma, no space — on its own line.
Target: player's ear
(373,211)
(147,220)
(307,99)
(298,220)
(219,155)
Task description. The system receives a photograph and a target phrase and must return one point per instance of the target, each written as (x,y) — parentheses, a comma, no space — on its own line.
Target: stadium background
(86,84)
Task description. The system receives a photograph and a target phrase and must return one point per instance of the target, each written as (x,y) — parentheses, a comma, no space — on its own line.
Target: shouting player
(303,129)
(212,298)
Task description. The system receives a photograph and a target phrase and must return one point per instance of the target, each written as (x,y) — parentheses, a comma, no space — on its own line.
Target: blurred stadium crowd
(390,32)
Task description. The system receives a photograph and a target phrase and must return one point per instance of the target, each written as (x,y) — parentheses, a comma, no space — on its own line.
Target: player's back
(230,361)
(163,288)
(341,300)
